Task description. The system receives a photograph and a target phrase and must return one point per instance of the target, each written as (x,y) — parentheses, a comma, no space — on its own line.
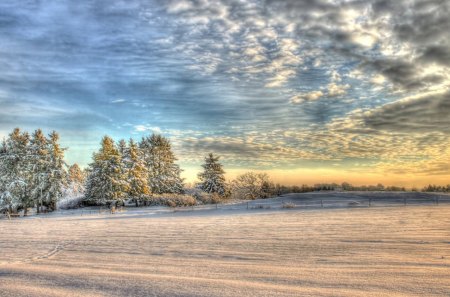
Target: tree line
(33,174)
(130,170)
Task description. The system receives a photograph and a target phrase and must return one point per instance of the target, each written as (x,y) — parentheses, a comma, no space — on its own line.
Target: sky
(307,91)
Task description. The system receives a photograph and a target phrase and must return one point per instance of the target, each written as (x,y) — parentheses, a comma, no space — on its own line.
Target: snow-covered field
(357,251)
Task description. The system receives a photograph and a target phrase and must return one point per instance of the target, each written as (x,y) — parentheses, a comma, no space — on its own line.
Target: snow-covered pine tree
(57,173)
(124,153)
(164,174)
(212,179)
(14,176)
(106,181)
(73,192)
(39,168)
(139,189)
(76,178)
(5,202)
(122,147)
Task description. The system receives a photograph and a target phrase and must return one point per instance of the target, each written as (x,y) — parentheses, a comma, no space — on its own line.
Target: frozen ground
(232,251)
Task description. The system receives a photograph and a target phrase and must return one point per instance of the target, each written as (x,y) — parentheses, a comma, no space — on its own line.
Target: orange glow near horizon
(299,177)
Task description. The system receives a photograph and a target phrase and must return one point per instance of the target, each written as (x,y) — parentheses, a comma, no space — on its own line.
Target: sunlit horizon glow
(307,91)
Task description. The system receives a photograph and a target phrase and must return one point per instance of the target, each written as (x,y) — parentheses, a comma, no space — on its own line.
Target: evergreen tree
(14,176)
(57,173)
(164,174)
(124,152)
(122,147)
(106,181)
(6,202)
(75,175)
(139,189)
(39,168)
(212,179)
(76,179)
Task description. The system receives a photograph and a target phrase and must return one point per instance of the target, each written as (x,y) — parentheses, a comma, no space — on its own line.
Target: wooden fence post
(9,217)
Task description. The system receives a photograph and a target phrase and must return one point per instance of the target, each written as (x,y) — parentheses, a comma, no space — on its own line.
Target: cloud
(334,89)
(311,96)
(146,128)
(397,40)
(416,114)
(235,35)
(118,101)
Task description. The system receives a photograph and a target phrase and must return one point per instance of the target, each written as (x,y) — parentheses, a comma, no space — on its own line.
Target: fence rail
(357,202)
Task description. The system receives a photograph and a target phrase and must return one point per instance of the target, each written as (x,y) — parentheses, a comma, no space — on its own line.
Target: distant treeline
(434,188)
(337,187)
(348,187)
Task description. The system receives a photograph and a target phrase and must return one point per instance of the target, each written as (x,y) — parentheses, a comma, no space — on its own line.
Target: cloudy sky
(307,90)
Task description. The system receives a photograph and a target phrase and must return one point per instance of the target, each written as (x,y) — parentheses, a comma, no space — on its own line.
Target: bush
(172,200)
(206,198)
(289,205)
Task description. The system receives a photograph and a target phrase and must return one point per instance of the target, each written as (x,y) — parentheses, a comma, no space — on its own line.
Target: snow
(232,251)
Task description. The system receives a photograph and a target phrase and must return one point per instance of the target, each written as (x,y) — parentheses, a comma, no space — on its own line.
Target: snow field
(391,251)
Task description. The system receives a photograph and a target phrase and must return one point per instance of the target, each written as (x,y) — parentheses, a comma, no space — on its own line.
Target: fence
(278,203)
(345,203)
(322,203)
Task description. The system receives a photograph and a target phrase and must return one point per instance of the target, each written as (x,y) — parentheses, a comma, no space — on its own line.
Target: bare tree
(252,185)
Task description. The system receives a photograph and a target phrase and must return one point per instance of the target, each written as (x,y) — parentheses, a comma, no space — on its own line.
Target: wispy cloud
(118,101)
(144,128)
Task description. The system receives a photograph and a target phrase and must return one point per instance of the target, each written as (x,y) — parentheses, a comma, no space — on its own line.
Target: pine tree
(139,189)
(106,181)
(76,179)
(6,202)
(124,153)
(57,173)
(14,176)
(164,174)
(122,147)
(39,168)
(212,179)
(75,175)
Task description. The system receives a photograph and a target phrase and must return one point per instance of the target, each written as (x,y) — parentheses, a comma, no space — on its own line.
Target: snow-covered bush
(288,205)
(204,197)
(172,200)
